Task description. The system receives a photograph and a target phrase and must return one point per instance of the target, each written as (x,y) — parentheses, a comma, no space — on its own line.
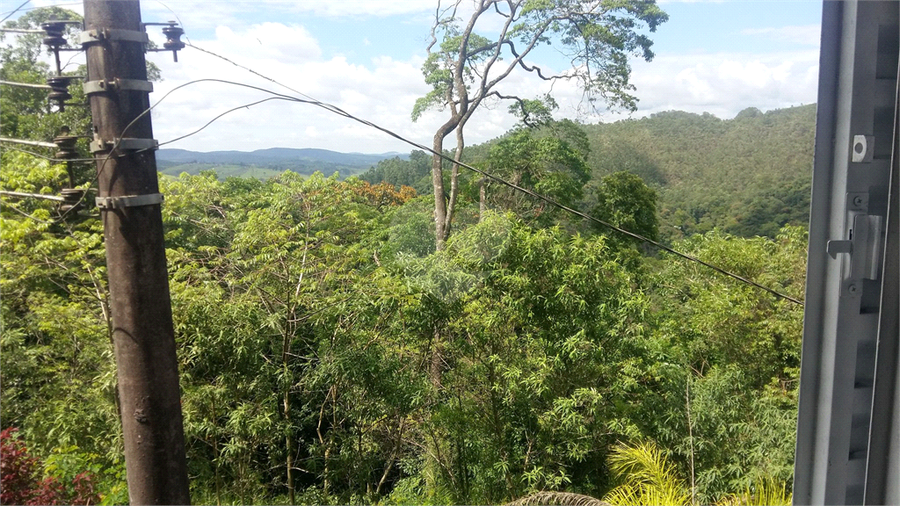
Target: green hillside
(226,170)
(222,170)
(749,175)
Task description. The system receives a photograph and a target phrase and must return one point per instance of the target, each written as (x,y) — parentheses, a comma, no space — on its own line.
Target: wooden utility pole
(129,201)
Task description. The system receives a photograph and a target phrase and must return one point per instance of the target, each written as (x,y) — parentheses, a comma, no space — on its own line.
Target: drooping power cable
(548,200)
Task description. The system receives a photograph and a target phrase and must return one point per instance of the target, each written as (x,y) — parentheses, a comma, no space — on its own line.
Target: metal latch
(864,244)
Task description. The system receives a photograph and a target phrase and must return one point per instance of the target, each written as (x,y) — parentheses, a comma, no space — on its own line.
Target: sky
(365,56)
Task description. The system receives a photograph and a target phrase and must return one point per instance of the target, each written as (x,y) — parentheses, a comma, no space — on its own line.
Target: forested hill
(265,163)
(748,176)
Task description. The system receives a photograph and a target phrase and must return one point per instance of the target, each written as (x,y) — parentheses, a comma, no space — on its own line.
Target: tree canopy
(466,65)
(309,311)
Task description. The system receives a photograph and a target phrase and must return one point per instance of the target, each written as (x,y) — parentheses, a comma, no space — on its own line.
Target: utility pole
(129,202)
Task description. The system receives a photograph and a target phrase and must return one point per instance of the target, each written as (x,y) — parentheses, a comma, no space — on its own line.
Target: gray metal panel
(883,466)
(814,376)
(854,135)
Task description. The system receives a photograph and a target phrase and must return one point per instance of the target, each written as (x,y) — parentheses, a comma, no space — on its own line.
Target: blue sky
(364,56)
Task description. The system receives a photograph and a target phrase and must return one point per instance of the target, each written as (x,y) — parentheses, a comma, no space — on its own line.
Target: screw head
(857,200)
(852,289)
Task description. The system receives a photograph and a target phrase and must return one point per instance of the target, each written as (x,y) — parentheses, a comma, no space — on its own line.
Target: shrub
(21,483)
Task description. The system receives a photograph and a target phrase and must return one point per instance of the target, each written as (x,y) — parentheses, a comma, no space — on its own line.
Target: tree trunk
(482,200)
(443,215)
(437,180)
(437,367)
(454,178)
(288,447)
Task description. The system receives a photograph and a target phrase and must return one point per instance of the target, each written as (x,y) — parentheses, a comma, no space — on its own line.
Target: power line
(102,166)
(15,10)
(336,110)
(10,13)
(121,136)
(210,122)
(176,18)
(54,198)
(20,30)
(50,158)
(39,144)
(29,216)
(26,85)
(497,179)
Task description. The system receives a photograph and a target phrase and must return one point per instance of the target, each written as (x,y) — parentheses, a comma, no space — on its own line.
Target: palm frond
(762,492)
(557,499)
(649,478)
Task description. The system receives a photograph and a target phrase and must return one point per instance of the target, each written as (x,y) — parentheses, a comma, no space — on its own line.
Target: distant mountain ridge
(265,163)
(271,156)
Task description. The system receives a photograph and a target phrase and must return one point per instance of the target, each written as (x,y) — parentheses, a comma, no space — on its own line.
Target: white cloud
(344,8)
(204,13)
(725,83)
(385,88)
(806,34)
(383,91)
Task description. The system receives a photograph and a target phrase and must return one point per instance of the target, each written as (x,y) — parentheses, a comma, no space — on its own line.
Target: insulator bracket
(125,144)
(59,89)
(104,86)
(95,36)
(173,34)
(54,30)
(129,201)
(66,146)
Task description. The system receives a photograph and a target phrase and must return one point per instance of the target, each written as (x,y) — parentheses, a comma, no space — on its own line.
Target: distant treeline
(747,176)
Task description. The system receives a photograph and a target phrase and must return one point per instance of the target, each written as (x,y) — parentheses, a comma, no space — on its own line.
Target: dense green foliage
(746,176)
(328,353)
(305,312)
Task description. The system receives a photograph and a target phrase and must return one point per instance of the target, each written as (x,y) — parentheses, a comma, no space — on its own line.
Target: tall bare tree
(464,67)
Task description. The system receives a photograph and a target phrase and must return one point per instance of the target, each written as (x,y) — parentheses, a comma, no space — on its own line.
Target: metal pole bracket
(95,36)
(118,84)
(124,201)
(125,144)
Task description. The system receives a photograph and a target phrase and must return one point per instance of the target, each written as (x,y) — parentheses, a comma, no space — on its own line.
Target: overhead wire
(40,144)
(20,30)
(115,145)
(336,110)
(67,4)
(14,11)
(50,158)
(55,198)
(176,17)
(229,111)
(548,200)
(23,213)
(26,85)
